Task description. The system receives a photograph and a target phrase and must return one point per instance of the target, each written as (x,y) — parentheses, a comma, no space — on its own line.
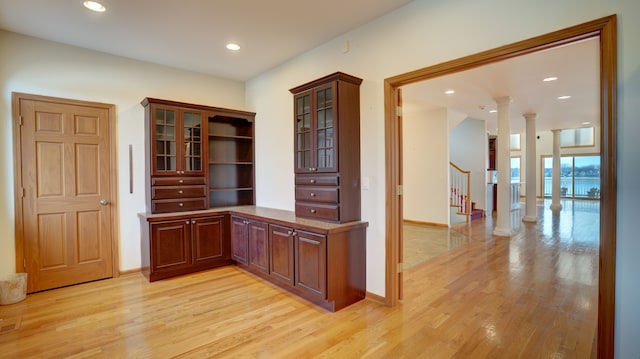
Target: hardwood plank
(531,296)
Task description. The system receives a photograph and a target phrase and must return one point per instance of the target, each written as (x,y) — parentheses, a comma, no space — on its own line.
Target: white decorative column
(531,212)
(503,157)
(555,186)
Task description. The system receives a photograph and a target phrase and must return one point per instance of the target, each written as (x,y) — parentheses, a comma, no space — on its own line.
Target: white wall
(41,67)
(468,149)
(423,33)
(426,166)
(427,32)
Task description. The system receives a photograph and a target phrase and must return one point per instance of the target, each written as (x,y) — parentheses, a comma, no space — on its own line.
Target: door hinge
(22,192)
(24,263)
(399,111)
(400,267)
(399,190)
(19,120)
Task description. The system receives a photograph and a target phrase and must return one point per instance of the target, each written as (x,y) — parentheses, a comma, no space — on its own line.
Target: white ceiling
(192,35)
(576,65)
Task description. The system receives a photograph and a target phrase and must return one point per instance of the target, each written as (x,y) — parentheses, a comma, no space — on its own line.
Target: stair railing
(460,194)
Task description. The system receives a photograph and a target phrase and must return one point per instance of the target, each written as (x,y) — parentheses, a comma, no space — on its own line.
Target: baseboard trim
(412,221)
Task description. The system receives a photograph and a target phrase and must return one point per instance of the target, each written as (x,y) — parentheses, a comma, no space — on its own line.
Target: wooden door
(239,245)
(281,253)
(311,263)
(171,245)
(258,239)
(66,191)
(208,239)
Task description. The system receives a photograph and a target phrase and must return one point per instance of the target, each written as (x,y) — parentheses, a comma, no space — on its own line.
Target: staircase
(460,194)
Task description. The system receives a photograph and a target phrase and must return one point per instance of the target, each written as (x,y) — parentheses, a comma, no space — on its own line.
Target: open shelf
(230,197)
(230,126)
(230,176)
(227,149)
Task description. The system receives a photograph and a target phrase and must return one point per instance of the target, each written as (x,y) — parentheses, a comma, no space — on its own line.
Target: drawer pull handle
(313,194)
(180,204)
(313,211)
(180,191)
(180,181)
(312,181)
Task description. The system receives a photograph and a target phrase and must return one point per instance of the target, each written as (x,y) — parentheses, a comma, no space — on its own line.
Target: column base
(555,206)
(530,219)
(502,232)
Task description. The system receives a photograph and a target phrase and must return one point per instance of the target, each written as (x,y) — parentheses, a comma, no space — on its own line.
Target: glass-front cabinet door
(177,154)
(315,131)
(303,132)
(324,130)
(192,142)
(165,131)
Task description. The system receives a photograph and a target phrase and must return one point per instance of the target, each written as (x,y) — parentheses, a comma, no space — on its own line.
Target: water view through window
(579,176)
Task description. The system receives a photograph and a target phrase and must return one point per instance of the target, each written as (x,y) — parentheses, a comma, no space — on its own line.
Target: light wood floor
(422,242)
(531,296)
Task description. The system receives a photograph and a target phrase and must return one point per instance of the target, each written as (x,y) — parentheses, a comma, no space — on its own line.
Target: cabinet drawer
(177,181)
(178,205)
(171,192)
(318,211)
(318,180)
(317,194)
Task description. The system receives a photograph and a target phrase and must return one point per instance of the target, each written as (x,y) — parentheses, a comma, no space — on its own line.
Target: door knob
(104,202)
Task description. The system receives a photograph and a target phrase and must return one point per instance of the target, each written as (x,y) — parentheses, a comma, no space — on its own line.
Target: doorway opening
(605,30)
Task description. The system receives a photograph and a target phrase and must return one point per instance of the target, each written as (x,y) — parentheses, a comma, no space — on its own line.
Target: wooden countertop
(282,217)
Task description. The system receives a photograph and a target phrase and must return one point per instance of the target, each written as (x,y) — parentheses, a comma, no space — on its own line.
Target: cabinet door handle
(313,194)
(187,222)
(289,233)
(293,234)
(313,211)
(312,181)
(193,222)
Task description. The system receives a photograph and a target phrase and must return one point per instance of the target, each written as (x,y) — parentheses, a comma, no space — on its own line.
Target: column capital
(502,100)
(556,130)
(530,116)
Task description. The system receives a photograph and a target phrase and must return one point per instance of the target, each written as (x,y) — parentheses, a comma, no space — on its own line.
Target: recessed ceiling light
(586,123)
(493,111)
(548,79)
(563,97)
(94,6)
(450,92)
(233,46)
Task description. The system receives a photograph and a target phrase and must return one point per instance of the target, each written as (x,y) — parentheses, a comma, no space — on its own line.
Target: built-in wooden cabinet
(327,148)
(182,245)
(198,157)
(322,262)
(249,243)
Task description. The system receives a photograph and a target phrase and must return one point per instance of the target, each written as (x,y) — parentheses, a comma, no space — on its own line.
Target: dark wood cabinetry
(311,263)
(327,148)
(281,255)
(492,154)
(249,243)
(198,156)
(177,246)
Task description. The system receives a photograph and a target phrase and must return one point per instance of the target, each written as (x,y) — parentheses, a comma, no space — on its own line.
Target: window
(514,142)
(579,176)
(578,137)
(515,169)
